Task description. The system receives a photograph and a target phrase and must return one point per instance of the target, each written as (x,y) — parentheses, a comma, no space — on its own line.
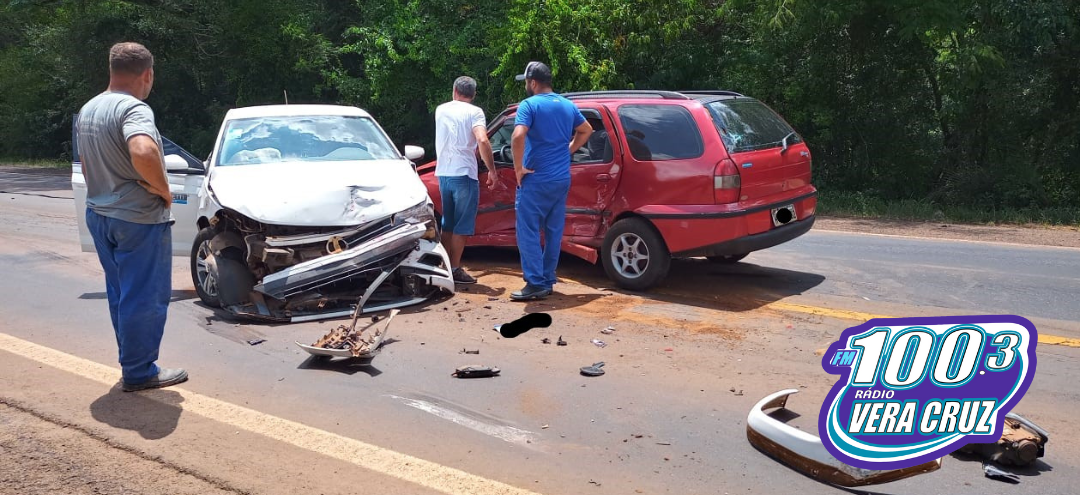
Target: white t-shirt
(455,145)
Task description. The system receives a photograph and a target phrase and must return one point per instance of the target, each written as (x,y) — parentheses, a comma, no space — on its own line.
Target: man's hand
(517,143)
(581,136)
(521,172)
(146,158)
(486,153)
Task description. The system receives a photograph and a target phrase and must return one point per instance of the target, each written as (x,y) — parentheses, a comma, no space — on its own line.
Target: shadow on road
(177,295)
(348,366)
(738,287)
(976,461)
(154,414)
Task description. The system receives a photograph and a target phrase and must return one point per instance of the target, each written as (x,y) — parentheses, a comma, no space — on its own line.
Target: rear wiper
(785,148)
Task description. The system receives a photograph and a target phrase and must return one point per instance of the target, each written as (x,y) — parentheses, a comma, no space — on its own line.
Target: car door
(184,183)
(594,175)
(78,188)
(495,212)
(185,178)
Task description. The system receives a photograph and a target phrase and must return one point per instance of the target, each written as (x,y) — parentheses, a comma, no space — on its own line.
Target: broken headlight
(421,213)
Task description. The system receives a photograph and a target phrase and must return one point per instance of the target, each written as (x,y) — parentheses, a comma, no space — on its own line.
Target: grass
(846,204)
(38,163)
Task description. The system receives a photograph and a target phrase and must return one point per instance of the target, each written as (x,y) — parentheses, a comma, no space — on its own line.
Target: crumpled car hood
(318,194)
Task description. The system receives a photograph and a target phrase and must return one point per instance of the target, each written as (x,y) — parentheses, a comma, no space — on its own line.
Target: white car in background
(301,213)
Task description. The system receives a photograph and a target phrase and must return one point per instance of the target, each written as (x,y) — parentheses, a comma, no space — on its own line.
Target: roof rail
(627,93)
(710,92)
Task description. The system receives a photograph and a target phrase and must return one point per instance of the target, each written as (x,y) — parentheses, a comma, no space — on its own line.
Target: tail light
(726,181)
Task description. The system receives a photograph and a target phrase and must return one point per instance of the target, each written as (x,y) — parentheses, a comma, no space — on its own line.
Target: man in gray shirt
(128,213)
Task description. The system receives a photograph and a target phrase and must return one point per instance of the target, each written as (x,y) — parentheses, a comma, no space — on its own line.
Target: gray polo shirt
(112,184)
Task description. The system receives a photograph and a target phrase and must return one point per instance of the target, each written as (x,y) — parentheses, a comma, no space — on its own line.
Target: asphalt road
(684,366)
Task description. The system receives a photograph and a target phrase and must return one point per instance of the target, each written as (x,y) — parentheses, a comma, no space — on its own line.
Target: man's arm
(486,153)
(517,142)
(581,136)
(146,158)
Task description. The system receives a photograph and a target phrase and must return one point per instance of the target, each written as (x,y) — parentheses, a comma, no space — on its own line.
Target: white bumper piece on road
(805,452)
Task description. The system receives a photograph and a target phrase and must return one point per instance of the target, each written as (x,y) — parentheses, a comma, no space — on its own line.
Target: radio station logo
(912,390)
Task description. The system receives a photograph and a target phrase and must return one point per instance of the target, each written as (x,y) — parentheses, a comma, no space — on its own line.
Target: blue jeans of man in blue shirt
(547,129)
(540,205)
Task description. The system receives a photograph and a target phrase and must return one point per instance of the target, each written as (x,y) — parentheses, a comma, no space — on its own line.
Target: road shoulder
(1026,235)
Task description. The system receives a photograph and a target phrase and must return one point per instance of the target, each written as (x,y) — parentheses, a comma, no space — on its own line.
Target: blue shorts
(460,197)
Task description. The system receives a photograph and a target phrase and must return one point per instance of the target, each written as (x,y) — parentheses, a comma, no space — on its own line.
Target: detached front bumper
(805,452)
(312,274)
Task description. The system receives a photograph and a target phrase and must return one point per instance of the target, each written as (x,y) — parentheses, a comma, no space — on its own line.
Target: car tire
(201,271)
(634,254)
(730,259)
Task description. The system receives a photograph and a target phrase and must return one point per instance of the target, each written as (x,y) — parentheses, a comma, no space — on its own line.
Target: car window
(746,124)
(502,136)
(501,139)
(598,148)
(303,139)
(660,132)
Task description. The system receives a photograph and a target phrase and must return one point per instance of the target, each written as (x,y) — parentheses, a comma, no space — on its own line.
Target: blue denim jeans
(540,206)
(137,260)
(460,198)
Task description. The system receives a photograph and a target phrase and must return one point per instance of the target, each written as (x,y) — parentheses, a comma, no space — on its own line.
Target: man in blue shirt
(547,131)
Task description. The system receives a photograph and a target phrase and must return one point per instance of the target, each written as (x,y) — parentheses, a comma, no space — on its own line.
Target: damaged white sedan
(300,211)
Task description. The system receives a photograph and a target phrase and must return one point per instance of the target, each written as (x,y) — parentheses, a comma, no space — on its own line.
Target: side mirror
(174,163)
(414,153)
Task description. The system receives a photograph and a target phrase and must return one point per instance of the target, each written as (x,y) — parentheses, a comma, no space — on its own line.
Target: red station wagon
(665,175)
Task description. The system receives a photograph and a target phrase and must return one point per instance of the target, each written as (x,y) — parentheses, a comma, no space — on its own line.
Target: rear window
(748,125)
(660,132)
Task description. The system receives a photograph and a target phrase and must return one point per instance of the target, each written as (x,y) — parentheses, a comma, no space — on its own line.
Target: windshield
(303,139)
(748,125)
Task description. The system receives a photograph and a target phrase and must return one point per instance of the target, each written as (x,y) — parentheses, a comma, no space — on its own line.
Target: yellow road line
(377,459)
(1055,340)
(832,313)
(855,315)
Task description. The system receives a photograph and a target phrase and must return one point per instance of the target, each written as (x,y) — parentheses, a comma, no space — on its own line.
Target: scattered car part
(256,341)
(594,370)
(545,340)
(599,343)
(560,341)
(346,341)
(475,371)
(1021,443)
(993,472)
(805,452)
(466,351)
(608,331)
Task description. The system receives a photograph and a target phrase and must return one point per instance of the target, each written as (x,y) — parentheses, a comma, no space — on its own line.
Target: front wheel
(635,255)
(204,270)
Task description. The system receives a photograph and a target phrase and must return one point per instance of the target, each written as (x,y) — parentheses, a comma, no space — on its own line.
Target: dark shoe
(166,377)
(530,293)
(460,277)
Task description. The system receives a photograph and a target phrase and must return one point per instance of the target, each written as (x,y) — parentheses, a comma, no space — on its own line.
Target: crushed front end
(293,274)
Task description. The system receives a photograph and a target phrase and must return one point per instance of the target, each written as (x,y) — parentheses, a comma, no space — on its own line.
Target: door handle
(603,177)
(804,154)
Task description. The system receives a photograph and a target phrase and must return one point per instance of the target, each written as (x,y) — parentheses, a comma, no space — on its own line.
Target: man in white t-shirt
(460,128)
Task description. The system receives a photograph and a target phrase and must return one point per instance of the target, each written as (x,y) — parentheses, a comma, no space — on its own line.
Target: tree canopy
(973,102)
